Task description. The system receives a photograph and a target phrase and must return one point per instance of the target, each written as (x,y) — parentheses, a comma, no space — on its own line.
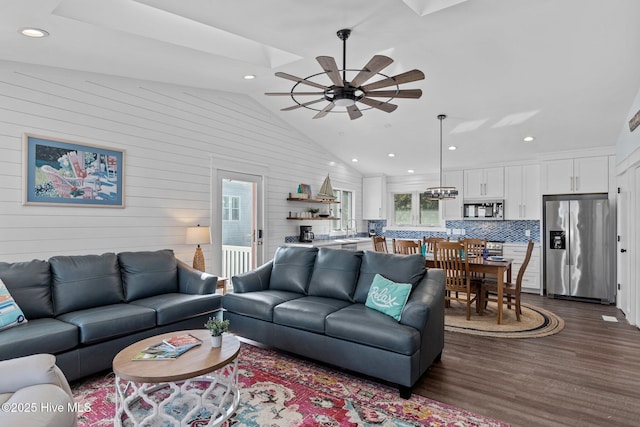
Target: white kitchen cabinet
(581,175)
(523,199)
(484,183)
(531,279)
(374,190)
(452,209)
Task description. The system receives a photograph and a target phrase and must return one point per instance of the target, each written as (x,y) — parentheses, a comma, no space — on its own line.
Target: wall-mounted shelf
(312,201)
(315,218)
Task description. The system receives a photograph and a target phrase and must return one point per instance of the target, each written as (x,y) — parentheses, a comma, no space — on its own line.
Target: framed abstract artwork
(67,173)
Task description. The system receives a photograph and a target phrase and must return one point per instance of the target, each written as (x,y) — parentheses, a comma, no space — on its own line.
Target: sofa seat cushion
(307,313)
(335,273)
(257,304)
(174,307)
(110,321)
(46,335)
(363,325)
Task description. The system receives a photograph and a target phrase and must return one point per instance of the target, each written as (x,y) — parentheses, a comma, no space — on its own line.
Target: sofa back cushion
(145,274)
(30,286)
(335,273)
(292,268)
(85,281)
(398,268)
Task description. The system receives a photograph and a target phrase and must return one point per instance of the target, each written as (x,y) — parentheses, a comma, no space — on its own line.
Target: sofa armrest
(254,280)
(31,370)
(425,300)
(192,281)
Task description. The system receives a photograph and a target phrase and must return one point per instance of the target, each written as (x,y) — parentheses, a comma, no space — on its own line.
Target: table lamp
(198,236)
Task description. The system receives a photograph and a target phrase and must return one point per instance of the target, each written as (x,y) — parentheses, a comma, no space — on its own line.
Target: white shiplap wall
(172,136)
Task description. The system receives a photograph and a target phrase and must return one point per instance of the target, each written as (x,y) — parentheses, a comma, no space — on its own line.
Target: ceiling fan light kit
(440,192)
(349,94)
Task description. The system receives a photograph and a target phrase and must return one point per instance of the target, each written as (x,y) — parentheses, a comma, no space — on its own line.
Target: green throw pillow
(388,297)
(10,313)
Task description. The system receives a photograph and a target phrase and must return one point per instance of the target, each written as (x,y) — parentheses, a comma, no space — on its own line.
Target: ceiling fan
(343,93)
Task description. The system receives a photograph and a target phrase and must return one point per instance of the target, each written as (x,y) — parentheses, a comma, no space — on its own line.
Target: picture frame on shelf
(305,189)
(68,173)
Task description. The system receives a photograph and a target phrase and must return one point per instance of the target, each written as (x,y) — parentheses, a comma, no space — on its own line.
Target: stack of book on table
(168,349)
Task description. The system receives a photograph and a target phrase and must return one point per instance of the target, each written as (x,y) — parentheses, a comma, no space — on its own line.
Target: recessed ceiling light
(391,155)
(249,77)
(332,163)
(354,160)
(452,147)
(33,32)
(411,171)
(528,138)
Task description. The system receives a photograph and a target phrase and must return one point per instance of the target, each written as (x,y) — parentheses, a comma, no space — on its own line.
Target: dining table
(497,266)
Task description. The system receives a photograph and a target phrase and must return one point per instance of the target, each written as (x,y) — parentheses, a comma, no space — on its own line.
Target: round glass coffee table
(200,387)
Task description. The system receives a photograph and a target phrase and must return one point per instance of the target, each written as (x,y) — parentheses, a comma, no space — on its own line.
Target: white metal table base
(184,403)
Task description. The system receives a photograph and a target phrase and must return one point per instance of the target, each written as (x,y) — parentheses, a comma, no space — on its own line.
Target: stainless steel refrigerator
(579,248)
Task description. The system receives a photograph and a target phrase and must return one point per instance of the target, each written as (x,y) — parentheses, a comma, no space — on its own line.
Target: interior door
(622,249)
(241,218)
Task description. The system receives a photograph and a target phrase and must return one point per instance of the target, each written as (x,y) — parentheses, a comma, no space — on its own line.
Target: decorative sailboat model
(326,191)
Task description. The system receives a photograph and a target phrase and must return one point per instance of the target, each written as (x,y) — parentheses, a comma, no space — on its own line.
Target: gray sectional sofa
(311,302)
(85,309)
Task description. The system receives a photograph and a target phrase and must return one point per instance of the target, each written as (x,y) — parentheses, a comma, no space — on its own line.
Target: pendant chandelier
(440,192)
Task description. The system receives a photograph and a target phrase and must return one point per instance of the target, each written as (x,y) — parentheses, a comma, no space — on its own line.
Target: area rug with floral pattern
(282,390)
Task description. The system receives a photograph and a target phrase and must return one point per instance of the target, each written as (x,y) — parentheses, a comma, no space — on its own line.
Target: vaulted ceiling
(563,71)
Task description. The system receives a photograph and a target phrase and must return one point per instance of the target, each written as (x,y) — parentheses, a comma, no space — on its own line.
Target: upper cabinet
(484,183)
(582,175)
(374,189)
(452,209)
(523,199)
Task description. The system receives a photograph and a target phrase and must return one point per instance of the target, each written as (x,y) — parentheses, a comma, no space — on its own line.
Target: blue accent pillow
(10,313)
(388,297)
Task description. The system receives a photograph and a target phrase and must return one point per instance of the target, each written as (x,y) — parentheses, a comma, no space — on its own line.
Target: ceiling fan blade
(329,65)
(325,111)
(304,104)
(354,112)
(384,106)
(376,64)
(407,77)
(300,80)
(294,93)
(406,93)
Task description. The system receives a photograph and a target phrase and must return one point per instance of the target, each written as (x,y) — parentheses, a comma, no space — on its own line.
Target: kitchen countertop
(333,242)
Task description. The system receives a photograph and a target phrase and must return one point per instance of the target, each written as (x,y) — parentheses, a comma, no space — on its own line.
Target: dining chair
(430,242)
(509,290)
(406,247)
(474,246)
(459,286)
(379,244)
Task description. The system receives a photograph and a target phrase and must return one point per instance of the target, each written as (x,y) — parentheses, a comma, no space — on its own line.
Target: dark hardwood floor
(587,375)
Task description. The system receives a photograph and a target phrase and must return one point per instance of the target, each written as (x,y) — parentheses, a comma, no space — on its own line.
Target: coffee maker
(306,235)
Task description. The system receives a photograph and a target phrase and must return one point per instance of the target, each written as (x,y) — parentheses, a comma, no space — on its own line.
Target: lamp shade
(198,236)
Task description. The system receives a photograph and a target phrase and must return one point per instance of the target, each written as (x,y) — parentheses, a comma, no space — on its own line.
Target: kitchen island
(355,243)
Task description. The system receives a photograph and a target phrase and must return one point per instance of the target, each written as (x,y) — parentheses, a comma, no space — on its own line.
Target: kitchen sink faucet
(354,230)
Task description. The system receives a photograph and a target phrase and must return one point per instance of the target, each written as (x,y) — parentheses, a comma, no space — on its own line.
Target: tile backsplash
(508,231)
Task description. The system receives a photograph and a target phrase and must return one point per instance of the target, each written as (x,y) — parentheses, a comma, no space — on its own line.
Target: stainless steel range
(495,248)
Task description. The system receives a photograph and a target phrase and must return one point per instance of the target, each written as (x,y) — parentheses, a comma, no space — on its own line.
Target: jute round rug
(535,322)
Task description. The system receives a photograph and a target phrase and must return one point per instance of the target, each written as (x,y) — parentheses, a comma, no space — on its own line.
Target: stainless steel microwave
(486,210)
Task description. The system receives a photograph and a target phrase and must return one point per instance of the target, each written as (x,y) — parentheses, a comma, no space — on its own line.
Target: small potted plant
(217,327)
(313,211)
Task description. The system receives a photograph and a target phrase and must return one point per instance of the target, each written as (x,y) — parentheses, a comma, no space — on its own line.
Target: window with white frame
(343,211)
(414,209)
(231,208)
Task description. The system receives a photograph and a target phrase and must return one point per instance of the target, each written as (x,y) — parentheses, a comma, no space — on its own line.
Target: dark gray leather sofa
(312,302)
(85,309)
